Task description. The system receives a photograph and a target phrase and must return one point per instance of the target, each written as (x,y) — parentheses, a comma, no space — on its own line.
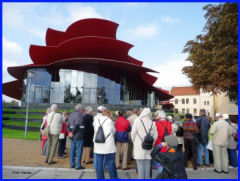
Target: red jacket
(122,126)
(160,124)
(64,128)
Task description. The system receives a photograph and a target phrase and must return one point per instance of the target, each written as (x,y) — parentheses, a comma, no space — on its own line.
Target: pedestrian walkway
(20,172)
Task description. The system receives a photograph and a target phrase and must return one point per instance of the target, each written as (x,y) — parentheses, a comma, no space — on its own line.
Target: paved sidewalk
(20,172)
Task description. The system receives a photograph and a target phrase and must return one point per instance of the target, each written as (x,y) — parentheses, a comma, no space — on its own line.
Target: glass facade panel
(38,86)
(74,86)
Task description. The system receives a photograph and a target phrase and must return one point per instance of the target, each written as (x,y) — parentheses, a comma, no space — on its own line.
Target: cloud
(78,11)
(145,31)
(171,73)
(11,53)
(24,18)
(15,16)
(168,19)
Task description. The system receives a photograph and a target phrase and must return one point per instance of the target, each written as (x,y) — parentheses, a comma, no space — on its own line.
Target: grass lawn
(22,116)
(16,123)
(33,110)
(19,134)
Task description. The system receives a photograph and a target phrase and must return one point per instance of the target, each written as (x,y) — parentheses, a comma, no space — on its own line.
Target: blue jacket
(203,125)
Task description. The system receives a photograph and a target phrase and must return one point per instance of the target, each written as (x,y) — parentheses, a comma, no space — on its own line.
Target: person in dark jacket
(76,131)
(169,160)
(189,130)
(123,128)
(88,136)
(202,136)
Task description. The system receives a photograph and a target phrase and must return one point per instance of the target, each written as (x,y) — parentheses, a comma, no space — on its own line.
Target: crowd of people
(158,141)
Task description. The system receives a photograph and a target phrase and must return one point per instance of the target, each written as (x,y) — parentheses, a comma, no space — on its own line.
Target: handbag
(62,136)
(46,130)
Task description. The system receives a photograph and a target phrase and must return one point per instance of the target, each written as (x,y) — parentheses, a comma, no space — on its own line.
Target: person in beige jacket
(131,119)
(142,156)
(55,120)
(220,131)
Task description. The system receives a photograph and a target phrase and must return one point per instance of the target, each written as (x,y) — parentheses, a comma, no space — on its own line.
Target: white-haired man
(220,131)
(76,133)
(55,120)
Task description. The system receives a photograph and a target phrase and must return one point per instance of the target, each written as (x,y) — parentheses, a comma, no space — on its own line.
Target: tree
(13,103)
(214,55)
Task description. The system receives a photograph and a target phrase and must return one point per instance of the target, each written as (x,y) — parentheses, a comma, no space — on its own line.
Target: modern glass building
(86,64)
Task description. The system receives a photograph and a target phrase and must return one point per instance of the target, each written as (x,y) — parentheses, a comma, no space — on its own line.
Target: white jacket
(138,130)
(108,127)
(56,124)
(220,131)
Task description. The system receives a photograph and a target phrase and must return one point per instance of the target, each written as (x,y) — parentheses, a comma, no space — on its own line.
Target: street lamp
(29,77)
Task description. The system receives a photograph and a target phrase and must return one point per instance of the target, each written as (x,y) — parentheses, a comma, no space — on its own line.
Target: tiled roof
(177,91)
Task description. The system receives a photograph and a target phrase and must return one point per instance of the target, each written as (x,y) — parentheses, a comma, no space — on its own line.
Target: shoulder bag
(46,130)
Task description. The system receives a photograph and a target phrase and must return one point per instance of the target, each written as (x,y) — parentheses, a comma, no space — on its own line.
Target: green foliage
(214,55)
(12,103)
(19,134)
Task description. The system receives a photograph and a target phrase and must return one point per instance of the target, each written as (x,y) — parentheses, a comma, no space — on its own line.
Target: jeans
(45,148)
(76,149)
(203,147)
(95,162)
(110,160)
(144,169)
(232,155)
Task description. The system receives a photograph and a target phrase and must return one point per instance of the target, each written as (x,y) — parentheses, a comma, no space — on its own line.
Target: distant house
(190,100)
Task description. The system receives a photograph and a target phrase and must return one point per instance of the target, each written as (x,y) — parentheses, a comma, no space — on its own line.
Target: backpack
(165,132)
(179,131)
(100,137)
(147,142)
(236,135)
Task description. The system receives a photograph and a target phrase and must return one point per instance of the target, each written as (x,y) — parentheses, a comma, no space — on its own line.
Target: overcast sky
(158,31)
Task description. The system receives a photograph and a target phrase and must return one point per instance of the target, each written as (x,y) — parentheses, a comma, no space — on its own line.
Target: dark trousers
(190,144)
(180,147)
(210,156)
(61,147)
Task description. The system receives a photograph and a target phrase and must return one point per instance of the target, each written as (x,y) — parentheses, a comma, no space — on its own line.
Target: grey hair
(88,110)
(203,111)
(54,107)
(78,107)
(161,114)
(48,110)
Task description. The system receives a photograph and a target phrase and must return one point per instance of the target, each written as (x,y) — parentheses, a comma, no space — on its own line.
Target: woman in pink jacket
(44,138)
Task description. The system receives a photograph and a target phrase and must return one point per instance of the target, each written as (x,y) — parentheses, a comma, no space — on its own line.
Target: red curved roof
(13,89)
(84,64)
(88,45)
(82,28)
